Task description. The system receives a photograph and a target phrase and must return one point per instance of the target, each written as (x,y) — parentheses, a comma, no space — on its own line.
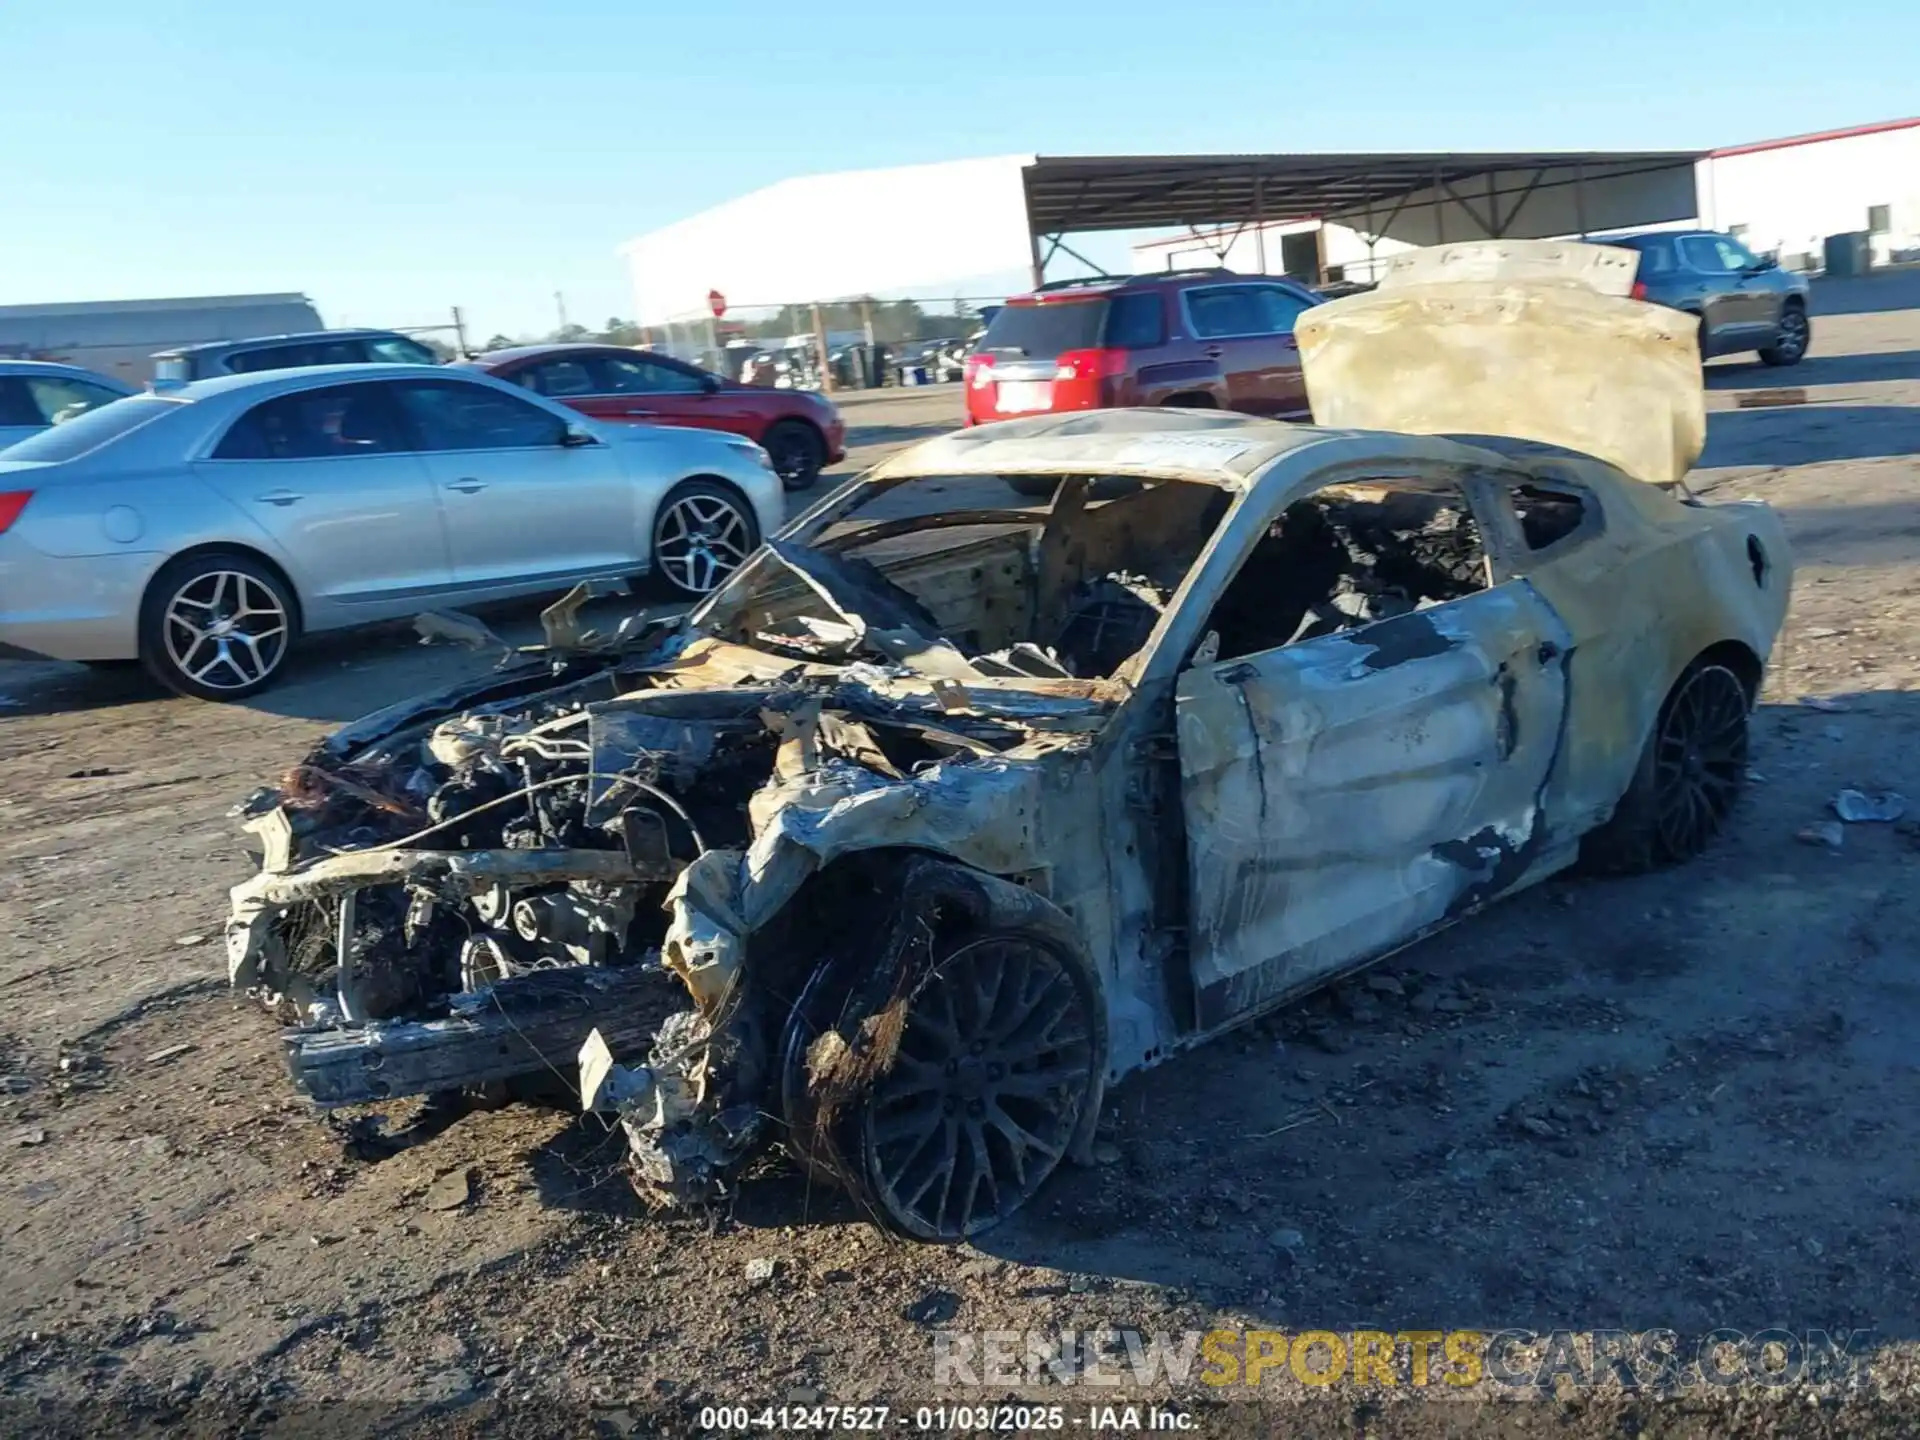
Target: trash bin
(1848,254)
(868,365)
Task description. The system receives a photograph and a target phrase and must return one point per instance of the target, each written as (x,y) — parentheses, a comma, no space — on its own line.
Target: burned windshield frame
(1029,599)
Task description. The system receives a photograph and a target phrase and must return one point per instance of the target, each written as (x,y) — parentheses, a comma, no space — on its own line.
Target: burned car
(948,810)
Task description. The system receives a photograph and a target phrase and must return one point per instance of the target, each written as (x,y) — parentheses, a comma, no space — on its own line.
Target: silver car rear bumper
(81,608)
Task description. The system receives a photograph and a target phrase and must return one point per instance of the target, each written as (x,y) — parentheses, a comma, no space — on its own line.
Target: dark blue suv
(1744,301)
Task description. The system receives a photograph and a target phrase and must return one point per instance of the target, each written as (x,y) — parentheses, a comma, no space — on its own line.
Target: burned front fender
(982,813)
(690,1110)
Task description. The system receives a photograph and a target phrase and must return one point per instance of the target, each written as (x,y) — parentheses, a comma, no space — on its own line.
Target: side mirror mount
(709,383)
(573,437)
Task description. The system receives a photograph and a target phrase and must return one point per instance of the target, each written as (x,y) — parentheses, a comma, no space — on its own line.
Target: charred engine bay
(461,892)
(562,822)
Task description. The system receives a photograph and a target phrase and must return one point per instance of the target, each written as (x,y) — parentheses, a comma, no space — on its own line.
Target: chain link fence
(860,344)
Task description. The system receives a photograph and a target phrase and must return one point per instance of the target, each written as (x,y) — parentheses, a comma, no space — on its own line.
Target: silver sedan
(204,530)
(37,393)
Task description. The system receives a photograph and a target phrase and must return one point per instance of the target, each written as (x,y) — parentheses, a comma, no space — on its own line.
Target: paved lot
(1683,1101)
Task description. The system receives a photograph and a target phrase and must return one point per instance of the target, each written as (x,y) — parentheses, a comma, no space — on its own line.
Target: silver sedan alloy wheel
(699,540)
(225,630)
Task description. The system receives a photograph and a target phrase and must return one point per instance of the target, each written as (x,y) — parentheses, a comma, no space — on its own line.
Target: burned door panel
(1343,794)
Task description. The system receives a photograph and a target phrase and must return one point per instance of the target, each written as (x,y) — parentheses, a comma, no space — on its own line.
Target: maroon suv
(1189,337)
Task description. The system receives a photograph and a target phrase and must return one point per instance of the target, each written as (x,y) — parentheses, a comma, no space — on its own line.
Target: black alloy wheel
(993,1073)
(1701,761)
(797,452)
(1690,775)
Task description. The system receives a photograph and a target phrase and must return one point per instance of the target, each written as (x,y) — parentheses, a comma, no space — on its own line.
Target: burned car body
(947,810)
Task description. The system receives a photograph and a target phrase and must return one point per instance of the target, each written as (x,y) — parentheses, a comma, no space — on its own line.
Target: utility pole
(460,332)
(868,371)
(820,346)
(560,306)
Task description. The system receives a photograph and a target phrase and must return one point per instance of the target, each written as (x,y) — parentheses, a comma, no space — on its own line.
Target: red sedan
(800,430)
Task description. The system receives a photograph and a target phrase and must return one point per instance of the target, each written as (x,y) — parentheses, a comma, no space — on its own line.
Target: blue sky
(394,159)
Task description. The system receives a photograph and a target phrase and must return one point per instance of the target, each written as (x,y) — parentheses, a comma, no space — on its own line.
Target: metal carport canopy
(1422,199)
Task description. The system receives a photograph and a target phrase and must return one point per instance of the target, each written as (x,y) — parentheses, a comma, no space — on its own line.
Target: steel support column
(1260,220)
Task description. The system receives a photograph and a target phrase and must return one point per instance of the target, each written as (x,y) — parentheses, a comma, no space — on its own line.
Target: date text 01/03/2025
(940,1419)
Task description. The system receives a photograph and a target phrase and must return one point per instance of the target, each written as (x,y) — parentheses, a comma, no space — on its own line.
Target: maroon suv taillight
(12,502)
(1639,289)
(979,372)
(1078,374)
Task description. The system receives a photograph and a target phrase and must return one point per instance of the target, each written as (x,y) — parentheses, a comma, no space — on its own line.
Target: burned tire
(217,626)
(798,452)
(1689,777)
(973,1082)
(1791,340)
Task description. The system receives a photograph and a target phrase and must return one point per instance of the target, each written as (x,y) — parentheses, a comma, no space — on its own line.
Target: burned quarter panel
(1664,583)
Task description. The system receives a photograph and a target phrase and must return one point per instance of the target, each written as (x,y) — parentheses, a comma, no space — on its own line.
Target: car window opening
(1346,557)
(973,585)
(17,405)
(1547,515)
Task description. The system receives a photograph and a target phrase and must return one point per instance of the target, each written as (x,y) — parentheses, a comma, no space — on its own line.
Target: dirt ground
(1680,1102)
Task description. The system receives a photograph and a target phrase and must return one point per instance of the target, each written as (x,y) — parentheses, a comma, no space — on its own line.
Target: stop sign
(717,303)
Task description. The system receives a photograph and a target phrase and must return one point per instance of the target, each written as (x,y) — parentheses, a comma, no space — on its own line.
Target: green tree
(620,332)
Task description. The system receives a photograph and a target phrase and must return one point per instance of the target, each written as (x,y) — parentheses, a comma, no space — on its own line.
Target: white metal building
(958,227)
(119,337)
(1786,196)
(988,226)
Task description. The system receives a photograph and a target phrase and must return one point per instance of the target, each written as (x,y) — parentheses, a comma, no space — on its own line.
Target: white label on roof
(1192,452)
